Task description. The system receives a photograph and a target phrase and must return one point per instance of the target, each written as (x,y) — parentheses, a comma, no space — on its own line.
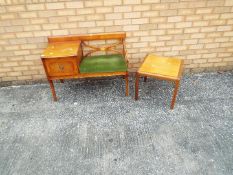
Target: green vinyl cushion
(103,63)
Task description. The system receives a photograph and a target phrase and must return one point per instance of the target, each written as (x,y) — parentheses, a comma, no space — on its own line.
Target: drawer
(58,67)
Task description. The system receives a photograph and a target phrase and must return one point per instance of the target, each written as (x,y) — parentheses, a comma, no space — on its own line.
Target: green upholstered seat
(103,63)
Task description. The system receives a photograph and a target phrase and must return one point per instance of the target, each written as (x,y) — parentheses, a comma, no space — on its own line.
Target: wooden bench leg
(136,86)
(53,90)
(127,84)
(177,84)
(145,78)
(62,81)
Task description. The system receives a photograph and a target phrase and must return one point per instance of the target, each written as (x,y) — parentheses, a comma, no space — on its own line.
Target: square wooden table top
(61,49)
(161,67)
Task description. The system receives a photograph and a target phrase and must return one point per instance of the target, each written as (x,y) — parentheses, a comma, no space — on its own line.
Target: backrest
(116,47)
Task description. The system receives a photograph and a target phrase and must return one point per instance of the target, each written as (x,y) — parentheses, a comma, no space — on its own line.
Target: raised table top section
(161,66)
(61,49)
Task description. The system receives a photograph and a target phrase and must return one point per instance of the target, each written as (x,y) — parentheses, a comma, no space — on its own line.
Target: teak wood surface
(62,57)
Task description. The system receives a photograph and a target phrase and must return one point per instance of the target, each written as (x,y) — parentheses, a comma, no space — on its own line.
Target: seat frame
(76,60)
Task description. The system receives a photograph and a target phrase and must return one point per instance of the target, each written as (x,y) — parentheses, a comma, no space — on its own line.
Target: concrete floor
(95,129)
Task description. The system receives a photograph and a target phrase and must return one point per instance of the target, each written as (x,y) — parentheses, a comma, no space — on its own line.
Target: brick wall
(199,31)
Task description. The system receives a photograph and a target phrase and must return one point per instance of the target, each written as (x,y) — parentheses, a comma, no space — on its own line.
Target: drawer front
(61,67)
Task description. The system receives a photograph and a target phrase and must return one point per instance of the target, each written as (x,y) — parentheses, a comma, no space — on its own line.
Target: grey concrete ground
(95,129)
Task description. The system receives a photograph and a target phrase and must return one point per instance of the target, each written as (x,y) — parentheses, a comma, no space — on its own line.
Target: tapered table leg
(177,84)
(53,90)
(127,84)
(145,78)
(136,86)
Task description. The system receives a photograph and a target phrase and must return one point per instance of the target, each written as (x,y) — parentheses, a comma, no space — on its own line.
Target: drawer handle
(61,67)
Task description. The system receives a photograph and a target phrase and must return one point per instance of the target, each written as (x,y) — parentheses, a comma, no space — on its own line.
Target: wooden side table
(61,60)
(161,68)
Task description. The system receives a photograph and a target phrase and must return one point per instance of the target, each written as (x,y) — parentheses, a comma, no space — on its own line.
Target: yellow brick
(191,30)
(168,12)
(132,1)
(157,32)
(103,10)
(215,3)
(193,18)
(112,3)
(113,29)
(206,65)
(30,72)
(217,22)
(66,12)
(212,45)
(222,9)
(22,52)
(150,1)
(24,34)
(150,14)
(208,29)
(132,15)
(131,27)
(228,59)
(28,15)
(32,27)
(8,16)
(210,55)
(196,46)
(183,24)
(174,31)
(228,3)
(179,47)
(87,24)
(175,19)
(69,25)
(199,61)
(140,21)
(122,22)
(10,64)
(122,9)
(200,23)
(204,10)
(214,60)
(220,64)
(46,14)
(158,20)
(9,78)
(11,47)
(53,6)
(12,74)
(211,16)
(226,16)
(190,41)
(50,26)
(104,23)
(60,32)
(39,20)
(28,77)
(16,8)
(42,33)
(141,8)
(206,40)
(228,34)
(113,16)
(75,5)
(224,28)
(32,7)
(186,12)
(20,68)
(166,26)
